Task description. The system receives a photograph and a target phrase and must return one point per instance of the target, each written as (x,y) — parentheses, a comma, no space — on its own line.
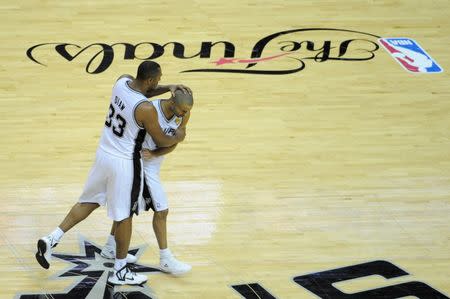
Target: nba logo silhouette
(410,55)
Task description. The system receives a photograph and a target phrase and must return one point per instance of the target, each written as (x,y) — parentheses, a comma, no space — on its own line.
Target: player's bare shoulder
(146,106)
(144,112)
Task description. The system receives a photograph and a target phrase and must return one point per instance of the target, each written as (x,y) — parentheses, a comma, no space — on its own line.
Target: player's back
(122,136)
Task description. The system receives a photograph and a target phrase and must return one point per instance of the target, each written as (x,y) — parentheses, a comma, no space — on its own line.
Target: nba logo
(410,55)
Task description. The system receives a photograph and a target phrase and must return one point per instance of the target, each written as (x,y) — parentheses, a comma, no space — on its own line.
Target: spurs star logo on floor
(94,271)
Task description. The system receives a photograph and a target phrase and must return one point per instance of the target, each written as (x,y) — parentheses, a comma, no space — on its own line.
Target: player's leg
(109,249)
(167,261)
(123,191)
(122,236)
(93,195)
(160,227)
(122,273)
(155,195)
(78,213)
(45,244)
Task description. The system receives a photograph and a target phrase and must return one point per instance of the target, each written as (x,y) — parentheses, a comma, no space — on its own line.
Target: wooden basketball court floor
(343,162)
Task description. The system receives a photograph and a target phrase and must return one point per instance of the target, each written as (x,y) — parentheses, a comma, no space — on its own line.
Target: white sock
(57,234)
(111,241)
(164,253)
(119,263)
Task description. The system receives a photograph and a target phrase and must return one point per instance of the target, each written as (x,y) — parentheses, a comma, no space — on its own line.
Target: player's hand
(180,134)
(146,154)
(181,87)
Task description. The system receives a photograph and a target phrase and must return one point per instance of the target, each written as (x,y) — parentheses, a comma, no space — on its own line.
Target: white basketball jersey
(168,126)
(122,136)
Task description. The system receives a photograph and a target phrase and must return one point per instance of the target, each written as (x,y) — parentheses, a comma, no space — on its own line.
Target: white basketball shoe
(45,247)
(126,276)
(173,266)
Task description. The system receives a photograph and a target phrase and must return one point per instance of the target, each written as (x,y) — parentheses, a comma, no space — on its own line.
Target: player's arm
(160,89)
(160,151)
(147,116)
(125,76)
(185,119)
(182,127)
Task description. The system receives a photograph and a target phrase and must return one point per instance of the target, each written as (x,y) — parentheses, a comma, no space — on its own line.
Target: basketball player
(173,113)
(116,176)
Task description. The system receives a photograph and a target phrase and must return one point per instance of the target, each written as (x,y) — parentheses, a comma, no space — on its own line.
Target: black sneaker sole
(41,249)
(127,284)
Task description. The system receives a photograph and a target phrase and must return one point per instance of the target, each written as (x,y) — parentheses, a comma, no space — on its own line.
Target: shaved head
(183,99)
(181,103)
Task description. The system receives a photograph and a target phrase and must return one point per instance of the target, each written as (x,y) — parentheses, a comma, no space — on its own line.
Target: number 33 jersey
(122,136)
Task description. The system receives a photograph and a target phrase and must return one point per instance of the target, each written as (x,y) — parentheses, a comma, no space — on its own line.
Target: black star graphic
(94,271)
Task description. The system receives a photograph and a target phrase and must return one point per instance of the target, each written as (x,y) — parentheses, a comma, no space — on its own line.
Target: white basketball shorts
(116,182)
(154,195)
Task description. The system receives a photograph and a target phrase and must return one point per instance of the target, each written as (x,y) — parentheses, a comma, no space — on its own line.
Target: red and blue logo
(410,55)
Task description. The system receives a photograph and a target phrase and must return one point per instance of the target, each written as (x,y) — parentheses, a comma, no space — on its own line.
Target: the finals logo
(280,53)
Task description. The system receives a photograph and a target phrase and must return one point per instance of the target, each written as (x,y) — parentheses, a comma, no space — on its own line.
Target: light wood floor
(342,163)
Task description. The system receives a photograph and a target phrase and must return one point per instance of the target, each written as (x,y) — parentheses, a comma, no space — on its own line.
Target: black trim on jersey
(162,112)
(148,197)
(137,170)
